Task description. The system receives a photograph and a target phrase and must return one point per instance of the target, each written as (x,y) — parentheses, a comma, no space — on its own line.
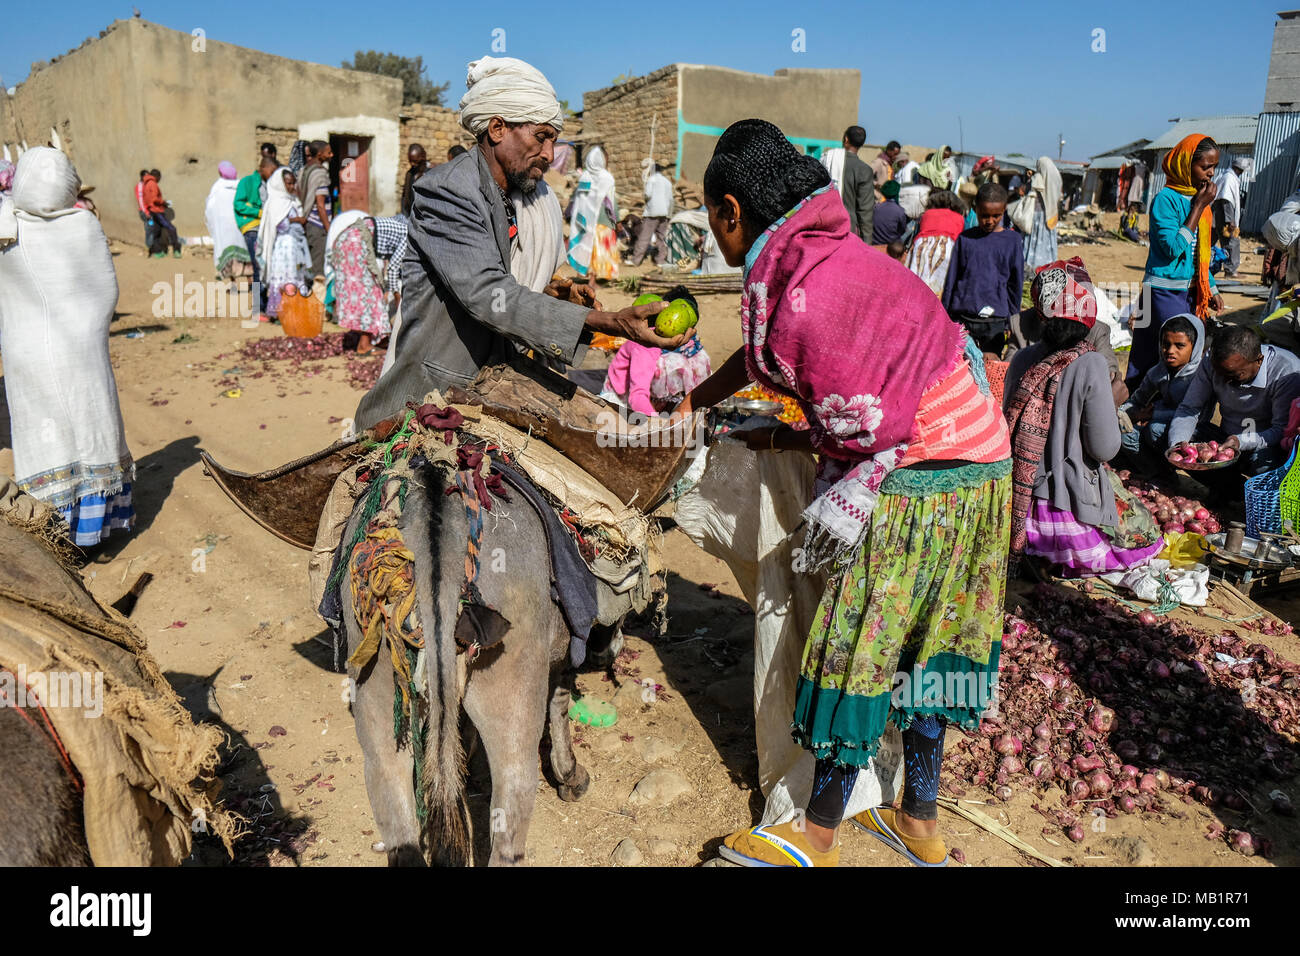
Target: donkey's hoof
(580,781)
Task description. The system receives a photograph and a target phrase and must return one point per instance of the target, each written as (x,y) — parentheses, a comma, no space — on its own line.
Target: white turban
(511,89)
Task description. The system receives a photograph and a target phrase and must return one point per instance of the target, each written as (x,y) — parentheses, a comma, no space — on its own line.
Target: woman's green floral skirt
(913,625)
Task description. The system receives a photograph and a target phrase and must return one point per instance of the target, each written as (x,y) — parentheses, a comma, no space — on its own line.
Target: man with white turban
(486,237)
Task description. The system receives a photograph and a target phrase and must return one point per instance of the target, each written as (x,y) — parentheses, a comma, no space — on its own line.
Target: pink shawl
(856,339)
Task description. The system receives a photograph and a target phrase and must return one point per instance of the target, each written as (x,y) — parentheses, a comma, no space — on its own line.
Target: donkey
(510,692)
(40,809)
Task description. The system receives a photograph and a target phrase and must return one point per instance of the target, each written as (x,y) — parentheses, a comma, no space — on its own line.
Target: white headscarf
(337,225)
(1047,183)
(280,204)
(45,187)
(596,183)
(511,89)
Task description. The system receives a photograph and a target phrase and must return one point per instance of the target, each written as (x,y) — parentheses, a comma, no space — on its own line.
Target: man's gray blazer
(461,308)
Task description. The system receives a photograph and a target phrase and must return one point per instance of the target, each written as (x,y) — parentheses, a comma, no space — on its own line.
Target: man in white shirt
(654,222)
(1227,214)
(907,167)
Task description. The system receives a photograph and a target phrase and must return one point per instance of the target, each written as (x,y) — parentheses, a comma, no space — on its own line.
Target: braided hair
(754,162)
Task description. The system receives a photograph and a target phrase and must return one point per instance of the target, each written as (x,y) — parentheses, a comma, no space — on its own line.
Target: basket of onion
(1201,456)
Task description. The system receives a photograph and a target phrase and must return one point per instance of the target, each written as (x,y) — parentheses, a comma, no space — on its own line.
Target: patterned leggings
(922,758)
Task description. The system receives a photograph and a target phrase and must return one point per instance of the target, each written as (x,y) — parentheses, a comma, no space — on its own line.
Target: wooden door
(353,154)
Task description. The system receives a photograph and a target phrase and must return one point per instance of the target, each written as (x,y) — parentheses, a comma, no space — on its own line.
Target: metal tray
(1254,552)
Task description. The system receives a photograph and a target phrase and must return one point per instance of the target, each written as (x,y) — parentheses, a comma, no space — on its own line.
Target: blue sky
(1017,73)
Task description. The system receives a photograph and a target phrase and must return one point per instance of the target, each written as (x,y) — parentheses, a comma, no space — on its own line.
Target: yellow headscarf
(1178,177)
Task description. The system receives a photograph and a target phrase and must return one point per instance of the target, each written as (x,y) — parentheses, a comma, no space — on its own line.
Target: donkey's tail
(445,827)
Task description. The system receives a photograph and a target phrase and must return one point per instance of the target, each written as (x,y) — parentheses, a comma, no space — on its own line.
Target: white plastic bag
(1022,212)
(1191,586)
(912,199)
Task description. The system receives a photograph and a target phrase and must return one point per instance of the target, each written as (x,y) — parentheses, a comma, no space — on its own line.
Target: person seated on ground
(986,274)
(890,220)
(1128,224)
(1027,328)
(1253,385)
(1144,419)
(1068,508)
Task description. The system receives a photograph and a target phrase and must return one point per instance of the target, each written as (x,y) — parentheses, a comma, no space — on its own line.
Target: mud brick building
(690,105)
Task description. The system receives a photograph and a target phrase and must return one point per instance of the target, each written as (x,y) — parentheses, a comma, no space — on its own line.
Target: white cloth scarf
(833,160)
(280,204)
(540,246)
(219,215)
(596,183)
(511,89)
(49,179)
(1047,183)
(337,225)
(57,294)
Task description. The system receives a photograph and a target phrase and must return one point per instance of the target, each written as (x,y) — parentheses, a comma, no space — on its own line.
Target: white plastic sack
(745,509)
(1190,585)
(1282,229)
(912,199)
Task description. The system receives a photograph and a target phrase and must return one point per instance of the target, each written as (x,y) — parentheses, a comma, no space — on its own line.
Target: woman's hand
(1216,302)
(1205,194)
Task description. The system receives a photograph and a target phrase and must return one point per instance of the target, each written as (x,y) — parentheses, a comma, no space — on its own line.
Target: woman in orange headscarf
(1178,277)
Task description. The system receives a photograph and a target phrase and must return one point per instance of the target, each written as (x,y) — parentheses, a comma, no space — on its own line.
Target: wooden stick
(983,820)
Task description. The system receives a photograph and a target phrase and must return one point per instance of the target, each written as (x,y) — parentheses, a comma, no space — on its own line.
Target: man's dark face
(892,154)
(416,157)
(525,153)
(1239,369)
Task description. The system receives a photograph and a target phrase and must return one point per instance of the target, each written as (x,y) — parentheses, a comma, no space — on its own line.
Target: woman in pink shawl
(912,513)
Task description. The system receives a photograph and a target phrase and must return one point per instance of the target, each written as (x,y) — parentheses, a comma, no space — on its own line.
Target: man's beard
(521,181)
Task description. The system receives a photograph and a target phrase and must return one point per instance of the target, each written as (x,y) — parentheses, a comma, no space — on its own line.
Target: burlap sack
(148,770)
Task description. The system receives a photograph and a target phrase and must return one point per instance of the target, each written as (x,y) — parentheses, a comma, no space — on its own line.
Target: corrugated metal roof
(1236,129)
(1128,149)
(1108,162)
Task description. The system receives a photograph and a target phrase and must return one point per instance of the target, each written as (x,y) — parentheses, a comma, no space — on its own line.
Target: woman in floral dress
(912,514)
(360,302)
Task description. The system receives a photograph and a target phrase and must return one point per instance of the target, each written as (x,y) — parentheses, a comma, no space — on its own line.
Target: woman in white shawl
(1040,240)
(593,243)
(229,253)
(57,294)
(281,243)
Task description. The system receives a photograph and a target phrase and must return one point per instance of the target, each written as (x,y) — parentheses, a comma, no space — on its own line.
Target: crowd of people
(959,435)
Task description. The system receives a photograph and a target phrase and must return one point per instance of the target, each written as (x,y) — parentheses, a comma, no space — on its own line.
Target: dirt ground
(228,617)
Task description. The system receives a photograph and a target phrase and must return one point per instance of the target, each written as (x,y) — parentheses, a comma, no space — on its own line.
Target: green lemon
(646,297)
(676,319)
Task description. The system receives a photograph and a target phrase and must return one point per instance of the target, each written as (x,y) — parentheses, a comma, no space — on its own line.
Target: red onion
(1100,718)
(1148,783)
(1079,789)
(1075,834)
(1126,803)
(1147,618)
(1242,842)
(1099,783)
(1011,764)
(1040,767)
(1130,772)
(1007,744)
(957,855)
(1003,793)
(1088,764)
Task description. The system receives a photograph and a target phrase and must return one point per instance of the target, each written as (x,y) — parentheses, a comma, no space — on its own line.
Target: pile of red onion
(363,370)
(1128,717)
(1174,514)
